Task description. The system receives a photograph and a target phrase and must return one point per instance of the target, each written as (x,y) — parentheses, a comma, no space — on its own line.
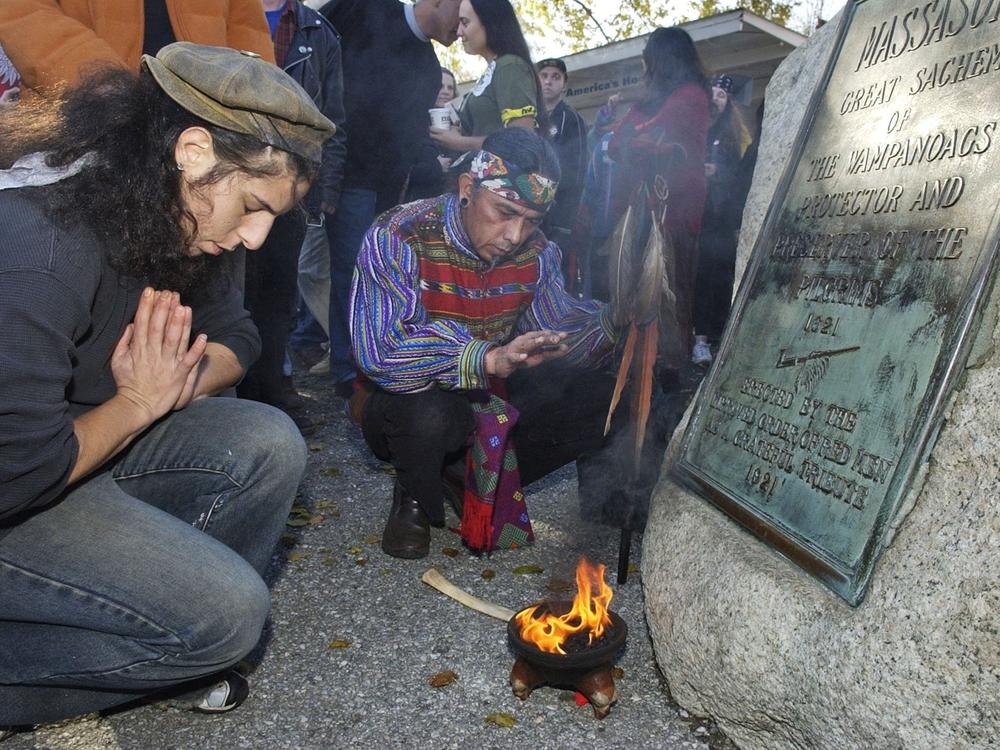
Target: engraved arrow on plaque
(801,359)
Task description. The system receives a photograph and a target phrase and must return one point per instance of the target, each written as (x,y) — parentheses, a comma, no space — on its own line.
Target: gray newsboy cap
(239,91)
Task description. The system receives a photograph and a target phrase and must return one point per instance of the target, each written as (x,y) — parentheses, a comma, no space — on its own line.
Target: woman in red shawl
(660,145)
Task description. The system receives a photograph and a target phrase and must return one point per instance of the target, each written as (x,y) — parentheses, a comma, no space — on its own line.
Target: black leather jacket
(314,62)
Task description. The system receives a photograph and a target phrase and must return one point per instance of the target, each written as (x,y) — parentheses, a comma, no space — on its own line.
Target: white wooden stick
(435,580)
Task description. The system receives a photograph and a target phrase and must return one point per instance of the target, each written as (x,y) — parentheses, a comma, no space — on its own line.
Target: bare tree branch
(586,9)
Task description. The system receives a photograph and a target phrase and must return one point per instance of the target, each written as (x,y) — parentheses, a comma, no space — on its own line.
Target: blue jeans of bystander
(355,213)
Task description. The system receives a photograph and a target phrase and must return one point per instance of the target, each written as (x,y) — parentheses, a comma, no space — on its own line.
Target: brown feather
(621,266)
(623,369)
(649,281)
(644,389)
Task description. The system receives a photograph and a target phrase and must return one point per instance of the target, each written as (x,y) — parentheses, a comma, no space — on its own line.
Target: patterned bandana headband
(509,181)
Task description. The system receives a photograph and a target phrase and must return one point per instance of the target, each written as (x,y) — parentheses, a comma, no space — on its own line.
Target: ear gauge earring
(180,167)
(464,202)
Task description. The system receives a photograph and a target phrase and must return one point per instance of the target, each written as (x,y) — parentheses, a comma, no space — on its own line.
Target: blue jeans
(147,574)
(355,213)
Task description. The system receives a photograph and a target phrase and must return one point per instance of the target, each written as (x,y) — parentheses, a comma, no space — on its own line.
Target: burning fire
(589,614)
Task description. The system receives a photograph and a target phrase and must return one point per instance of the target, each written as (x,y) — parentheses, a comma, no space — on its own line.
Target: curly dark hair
(129,194)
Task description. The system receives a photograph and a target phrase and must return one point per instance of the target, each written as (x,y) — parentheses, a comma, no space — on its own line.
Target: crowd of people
(189,201)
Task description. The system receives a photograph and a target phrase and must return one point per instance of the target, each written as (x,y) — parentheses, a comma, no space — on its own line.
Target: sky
(605,9)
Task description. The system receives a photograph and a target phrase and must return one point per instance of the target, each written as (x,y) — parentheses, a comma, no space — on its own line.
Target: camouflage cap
(241,92)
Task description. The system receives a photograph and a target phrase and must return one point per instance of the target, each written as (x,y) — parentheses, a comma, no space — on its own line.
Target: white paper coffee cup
(440,118)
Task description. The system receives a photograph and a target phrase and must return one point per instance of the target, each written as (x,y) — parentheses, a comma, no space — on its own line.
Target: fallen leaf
(617,672)
(314,520)
(314,447)
(449,552)
(386,571)
(355,550)
(331,471)
(373,539)
(560,585)
(289,540)
(443,678)
(524,570)
(324,504)
(488,575)
(633,568)
(339,643)
(296,522)
(501,720)
(299,510)
(296,556)
(361,561)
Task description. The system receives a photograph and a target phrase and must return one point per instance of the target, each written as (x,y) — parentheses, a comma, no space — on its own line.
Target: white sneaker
(321,368)
(701,353)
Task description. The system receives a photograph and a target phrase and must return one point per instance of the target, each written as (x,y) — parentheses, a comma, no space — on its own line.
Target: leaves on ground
(339,643)
(560,585)
(361,561)
(355,550)
(449,552)
(331,471)
(441,679)
(501,720)
(633,568)
(316,447)
(617,672)
(373,539)
(324,504)
(488,574)
(296,556)
(289,540)
(527,570)
(300,516)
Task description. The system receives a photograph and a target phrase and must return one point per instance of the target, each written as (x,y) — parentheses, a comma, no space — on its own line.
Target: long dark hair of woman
(504,37)
(671,61)
(129,195)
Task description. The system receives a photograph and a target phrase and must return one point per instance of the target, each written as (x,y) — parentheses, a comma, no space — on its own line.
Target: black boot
(407,532)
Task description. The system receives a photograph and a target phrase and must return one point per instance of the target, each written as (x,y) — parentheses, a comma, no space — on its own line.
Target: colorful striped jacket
(425,308)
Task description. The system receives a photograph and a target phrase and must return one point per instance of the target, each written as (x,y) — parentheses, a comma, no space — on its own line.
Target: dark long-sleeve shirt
(391,78)
(62,310)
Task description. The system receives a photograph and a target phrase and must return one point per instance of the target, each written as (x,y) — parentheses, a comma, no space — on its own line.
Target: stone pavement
(355,637)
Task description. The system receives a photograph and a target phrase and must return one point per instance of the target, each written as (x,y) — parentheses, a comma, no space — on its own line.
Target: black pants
(562,417)
(714,284)
(271,293)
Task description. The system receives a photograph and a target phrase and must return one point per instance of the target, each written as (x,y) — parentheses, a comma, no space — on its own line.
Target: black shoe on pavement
(344,388)
(407,532)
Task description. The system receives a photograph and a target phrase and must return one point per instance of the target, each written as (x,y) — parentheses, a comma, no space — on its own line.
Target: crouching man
(453,296)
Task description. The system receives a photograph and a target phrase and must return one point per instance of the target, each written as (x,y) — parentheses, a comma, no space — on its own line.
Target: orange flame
(589,613)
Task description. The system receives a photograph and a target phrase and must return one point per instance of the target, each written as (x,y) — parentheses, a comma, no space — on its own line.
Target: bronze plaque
(854,317)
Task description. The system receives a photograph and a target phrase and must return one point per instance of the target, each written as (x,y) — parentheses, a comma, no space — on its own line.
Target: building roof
(737,42)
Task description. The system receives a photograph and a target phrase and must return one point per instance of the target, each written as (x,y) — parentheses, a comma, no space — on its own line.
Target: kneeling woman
(136,516)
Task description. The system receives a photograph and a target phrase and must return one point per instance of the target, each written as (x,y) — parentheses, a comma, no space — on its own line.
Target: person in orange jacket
(54,41)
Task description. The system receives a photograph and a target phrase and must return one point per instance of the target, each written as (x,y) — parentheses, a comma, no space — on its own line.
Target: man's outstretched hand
(527,350)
